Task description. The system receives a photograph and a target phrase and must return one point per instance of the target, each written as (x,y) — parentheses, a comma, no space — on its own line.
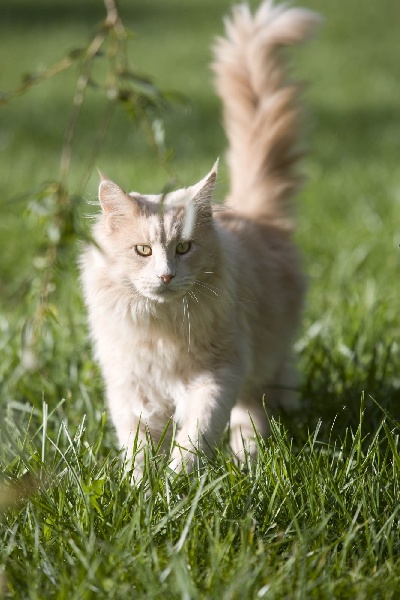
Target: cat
(193,308)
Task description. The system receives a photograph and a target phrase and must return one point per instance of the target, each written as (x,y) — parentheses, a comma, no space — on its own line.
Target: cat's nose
(166,278)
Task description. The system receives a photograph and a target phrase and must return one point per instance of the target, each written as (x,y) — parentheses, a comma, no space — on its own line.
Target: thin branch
(34,79)
(77,103)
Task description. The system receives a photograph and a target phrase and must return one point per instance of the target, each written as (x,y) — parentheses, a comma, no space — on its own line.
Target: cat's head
(160,245)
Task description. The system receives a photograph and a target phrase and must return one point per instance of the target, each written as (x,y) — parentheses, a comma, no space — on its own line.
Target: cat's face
(160,246)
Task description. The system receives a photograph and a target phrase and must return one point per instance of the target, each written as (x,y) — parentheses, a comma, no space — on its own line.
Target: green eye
(183,247)
(143,250)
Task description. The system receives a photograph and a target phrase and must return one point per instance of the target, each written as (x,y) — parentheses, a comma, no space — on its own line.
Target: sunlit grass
(316,516)
(320,519)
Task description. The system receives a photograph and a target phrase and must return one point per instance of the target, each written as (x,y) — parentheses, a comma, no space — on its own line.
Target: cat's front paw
(182,460)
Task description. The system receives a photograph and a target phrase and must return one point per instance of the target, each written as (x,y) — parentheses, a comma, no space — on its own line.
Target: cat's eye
(143,250)
(183,247)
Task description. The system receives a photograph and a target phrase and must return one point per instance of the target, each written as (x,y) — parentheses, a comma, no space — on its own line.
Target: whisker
(218,299)
(213,287)
(208,287)
(187,314)
(193,295)
(210,297)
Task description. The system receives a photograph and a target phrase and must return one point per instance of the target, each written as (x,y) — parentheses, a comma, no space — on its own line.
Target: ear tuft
(205,188)
(102,176)
(198,207)
(215,167)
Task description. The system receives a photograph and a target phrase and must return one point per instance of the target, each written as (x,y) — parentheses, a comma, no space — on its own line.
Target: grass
(317,521)
(317,515)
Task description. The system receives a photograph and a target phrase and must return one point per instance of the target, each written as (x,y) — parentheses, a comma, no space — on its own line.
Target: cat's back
(266,264)
(259,244)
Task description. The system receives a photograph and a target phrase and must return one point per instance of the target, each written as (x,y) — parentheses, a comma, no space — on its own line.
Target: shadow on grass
(334,401)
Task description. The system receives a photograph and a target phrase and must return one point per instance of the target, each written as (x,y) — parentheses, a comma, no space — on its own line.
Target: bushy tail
(261,107)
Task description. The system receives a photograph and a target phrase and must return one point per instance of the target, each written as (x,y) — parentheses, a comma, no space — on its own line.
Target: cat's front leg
(129,425)
(132,440)
(203,415)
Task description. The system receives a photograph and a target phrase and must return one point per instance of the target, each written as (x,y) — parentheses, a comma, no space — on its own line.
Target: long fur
(262,113)
(201,332)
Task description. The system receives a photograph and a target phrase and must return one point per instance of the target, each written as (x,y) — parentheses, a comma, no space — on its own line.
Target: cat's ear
(116,204)
(198,204)
(204,189)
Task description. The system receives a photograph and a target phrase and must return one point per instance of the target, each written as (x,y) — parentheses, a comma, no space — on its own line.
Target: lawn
(317,515)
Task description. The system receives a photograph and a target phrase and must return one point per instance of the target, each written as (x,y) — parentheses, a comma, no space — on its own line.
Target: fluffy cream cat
(193,308)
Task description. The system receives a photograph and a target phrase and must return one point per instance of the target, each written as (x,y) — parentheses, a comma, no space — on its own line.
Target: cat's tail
(261,107)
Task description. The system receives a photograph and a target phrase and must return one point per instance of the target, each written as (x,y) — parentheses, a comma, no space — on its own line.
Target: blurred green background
(317,516)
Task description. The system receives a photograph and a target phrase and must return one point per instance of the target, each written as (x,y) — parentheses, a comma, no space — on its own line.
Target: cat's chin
(165,295)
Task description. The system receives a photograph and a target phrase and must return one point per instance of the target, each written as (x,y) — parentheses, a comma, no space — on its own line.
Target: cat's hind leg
(249,417)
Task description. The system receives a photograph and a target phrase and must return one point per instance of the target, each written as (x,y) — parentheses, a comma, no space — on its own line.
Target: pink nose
(166,278)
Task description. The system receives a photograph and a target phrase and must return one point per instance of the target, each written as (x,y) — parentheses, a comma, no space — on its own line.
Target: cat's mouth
(161,293)
(165,293)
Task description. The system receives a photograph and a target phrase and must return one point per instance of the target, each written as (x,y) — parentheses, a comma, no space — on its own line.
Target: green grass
(317,521)
(317,515)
